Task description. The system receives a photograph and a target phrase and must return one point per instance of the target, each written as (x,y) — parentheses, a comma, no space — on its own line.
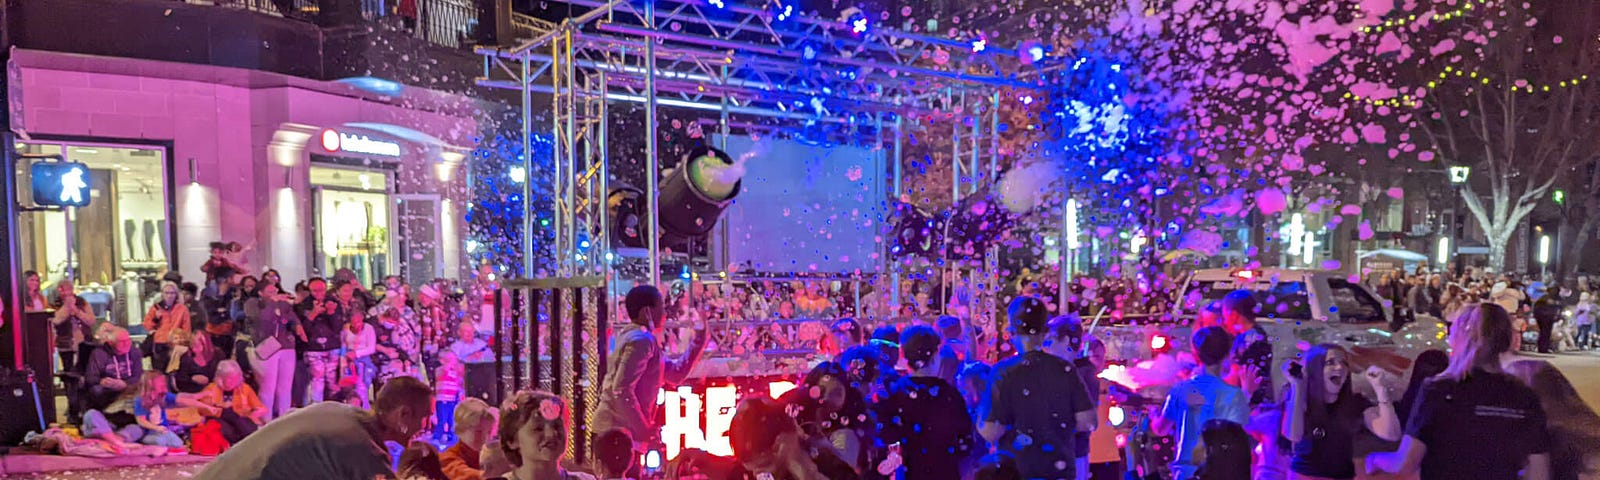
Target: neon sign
(347,142)
(693,420)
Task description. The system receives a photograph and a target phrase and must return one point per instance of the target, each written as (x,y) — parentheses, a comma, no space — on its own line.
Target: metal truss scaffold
(737,62)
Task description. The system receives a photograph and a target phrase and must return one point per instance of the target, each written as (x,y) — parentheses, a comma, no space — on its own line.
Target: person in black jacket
(1547,311)
(113,369)
(1473,420)
(196,366)
(191,300)
(924,416)
(322,318)
(1066,341)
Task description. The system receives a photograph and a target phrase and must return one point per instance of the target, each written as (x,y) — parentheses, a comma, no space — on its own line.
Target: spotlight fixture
(1031,52)
(694,194)
(625,206)
(780,10)
(692,197)
(915,232)
(976,222)
(856,19)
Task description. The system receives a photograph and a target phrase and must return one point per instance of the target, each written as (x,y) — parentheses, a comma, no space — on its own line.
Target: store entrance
(354,221)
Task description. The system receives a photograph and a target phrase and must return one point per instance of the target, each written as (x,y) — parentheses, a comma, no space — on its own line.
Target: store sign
(335,141)
(60,184)
(701,419)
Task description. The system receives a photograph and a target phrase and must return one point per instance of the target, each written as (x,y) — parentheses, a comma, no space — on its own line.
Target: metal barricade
(551,334)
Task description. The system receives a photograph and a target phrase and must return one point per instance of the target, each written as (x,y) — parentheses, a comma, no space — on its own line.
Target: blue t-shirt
(1223,401)
(476,351)
(156,414)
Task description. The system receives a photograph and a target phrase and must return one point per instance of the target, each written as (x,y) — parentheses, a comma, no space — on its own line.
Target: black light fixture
(694,195)
(915,232)
(976,222)
(629,225)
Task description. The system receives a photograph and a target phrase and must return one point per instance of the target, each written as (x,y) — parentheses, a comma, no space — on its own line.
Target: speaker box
(19,399)
(37,356)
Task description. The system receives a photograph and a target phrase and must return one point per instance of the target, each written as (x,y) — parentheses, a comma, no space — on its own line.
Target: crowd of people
(1479,412)
(914,402)
(235,351)
(1554,317)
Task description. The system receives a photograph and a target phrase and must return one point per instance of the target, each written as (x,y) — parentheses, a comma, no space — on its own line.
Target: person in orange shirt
(166,316)
(1105,458)
(475,425)
(233,403)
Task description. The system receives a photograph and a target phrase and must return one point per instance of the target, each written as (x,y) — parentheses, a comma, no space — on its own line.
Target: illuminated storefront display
(106,217)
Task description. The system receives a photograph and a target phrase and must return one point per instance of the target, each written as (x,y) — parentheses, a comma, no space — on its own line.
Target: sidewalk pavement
(23,464)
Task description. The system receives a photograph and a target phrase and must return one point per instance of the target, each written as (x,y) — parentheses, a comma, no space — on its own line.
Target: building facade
(309,176)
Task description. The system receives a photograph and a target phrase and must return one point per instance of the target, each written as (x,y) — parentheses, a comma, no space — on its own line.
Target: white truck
(1298,308)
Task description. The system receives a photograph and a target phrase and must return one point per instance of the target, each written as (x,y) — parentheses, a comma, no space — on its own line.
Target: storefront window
(119,245)
(354,219)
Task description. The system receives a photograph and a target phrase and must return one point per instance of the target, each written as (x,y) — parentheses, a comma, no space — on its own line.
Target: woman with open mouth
(1325,415)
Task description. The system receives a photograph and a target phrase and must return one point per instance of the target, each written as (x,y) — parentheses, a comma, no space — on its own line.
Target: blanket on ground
(58,441)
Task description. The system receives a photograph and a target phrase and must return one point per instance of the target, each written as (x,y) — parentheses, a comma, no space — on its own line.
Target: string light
(1430,16)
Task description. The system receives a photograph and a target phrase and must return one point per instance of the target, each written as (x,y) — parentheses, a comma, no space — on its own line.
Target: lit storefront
(310,176)
(120,242)
(371,222)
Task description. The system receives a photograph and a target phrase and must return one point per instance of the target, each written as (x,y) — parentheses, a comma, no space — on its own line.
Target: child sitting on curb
(148,424)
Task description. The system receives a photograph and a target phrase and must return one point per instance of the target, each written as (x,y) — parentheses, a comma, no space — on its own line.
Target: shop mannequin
(130,229)
(150,233)
(166,236)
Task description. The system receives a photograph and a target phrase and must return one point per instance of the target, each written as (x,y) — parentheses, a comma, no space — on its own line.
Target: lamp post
(1458,177)
(1544,257)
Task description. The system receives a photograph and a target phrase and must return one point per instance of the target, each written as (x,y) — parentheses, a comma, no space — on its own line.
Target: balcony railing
(447,23)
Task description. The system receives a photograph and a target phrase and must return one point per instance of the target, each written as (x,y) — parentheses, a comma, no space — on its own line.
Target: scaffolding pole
(527,179)
(603,129)
(569,227)
(977,126)
(560,140)
(899,141)
(652,161)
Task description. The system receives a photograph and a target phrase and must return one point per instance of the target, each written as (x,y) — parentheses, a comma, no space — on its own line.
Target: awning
(1394,253)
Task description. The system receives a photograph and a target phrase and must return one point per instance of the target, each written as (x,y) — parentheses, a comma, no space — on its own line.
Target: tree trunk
(1573,259)
(1500,224)
(1497,252)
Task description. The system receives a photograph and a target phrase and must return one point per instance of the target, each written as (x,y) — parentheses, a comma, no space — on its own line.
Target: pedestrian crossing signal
(60,184)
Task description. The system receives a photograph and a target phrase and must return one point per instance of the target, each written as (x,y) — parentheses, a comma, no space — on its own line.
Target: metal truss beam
(744,61)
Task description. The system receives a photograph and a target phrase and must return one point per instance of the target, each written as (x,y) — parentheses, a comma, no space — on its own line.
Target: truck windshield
(1287,300)
(1355,304)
